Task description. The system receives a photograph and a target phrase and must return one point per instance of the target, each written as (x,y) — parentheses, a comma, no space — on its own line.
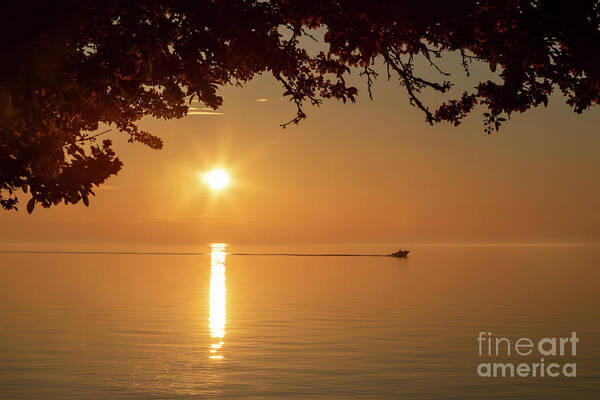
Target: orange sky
(368,172)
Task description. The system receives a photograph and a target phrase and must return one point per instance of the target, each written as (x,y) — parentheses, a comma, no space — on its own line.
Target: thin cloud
(205,113)
(262,100)
(195,106)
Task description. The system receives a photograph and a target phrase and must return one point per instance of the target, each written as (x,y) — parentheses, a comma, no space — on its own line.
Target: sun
(217,179)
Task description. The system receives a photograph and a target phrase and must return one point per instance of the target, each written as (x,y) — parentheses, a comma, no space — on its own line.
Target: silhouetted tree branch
(69,67)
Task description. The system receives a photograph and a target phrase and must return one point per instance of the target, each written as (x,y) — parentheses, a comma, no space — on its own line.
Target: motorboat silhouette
(399,253)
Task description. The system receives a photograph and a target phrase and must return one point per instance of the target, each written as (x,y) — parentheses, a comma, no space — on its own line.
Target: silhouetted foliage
(70,66)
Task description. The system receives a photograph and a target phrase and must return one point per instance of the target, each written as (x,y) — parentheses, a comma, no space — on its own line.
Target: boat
(399,253)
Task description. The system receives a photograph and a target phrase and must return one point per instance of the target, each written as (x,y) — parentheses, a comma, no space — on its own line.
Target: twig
(93,136)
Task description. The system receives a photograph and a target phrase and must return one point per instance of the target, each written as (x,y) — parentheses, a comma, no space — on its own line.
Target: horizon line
(197,253)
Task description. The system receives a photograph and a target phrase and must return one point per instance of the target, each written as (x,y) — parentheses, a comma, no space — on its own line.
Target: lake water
(222,326)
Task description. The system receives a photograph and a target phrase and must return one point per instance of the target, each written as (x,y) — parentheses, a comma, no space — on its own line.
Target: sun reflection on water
(217,316)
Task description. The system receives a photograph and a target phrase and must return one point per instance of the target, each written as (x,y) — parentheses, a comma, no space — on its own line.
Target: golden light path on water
(217,316)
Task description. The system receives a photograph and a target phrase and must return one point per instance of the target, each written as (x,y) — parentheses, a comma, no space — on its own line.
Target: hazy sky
(370,172)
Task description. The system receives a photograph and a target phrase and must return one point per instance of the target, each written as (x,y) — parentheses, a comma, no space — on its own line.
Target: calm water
(255,327)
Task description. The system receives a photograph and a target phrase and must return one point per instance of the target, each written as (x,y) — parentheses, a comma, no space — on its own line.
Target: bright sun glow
(217,179)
